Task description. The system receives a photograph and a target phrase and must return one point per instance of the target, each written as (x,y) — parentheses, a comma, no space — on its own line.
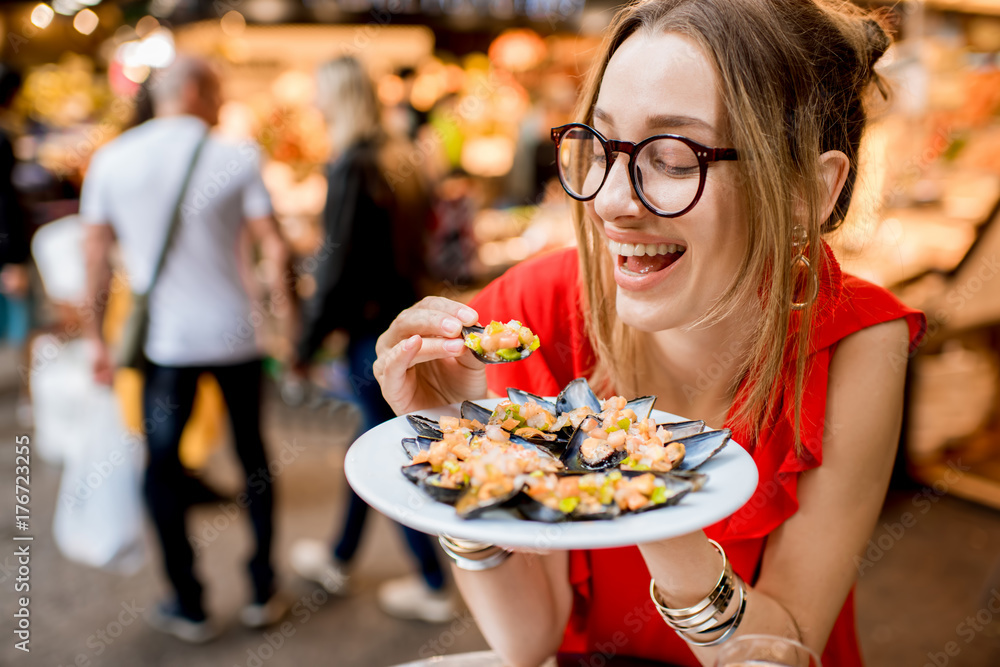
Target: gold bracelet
(706,616)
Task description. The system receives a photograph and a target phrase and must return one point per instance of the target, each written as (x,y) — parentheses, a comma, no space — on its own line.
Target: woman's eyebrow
(663,121)
(670,120)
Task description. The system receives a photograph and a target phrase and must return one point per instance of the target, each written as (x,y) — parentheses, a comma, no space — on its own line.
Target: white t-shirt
(198,310)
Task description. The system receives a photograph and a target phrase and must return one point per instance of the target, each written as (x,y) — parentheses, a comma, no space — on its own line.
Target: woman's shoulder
(856,305)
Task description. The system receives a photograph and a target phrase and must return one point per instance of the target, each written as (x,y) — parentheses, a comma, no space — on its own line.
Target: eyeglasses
(666,170)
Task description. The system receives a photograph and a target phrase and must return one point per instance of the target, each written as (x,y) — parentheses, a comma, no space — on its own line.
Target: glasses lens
(582,162)
(668,173)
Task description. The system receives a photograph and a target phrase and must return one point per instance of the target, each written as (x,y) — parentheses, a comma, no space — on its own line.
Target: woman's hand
(422,359)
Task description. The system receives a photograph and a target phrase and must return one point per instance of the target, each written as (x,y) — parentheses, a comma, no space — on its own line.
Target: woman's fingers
(391,369)
(433,316)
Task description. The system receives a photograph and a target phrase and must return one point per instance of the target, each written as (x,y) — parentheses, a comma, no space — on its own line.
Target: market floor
(923,596)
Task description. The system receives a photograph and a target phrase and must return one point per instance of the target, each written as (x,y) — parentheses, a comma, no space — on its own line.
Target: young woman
(701,277)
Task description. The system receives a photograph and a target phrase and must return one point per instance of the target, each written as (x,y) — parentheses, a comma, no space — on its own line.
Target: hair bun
(877,42)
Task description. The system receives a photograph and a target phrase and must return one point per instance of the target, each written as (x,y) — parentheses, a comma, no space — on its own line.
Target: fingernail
(468,315)
(451,325)
(454,346)
(411,342)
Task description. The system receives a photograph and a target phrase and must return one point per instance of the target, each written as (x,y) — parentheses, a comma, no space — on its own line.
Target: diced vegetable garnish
(567,505)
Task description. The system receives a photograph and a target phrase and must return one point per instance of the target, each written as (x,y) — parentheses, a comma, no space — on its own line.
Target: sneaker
(312,560)
(411,598)
(168,619)
(261,615)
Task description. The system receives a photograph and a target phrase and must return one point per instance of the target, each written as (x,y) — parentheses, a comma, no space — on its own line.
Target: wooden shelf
(980,483)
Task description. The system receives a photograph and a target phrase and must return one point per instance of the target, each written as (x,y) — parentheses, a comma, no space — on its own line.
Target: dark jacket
(358,285)
(13,220)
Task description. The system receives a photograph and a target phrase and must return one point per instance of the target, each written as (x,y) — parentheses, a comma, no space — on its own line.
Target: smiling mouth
(641,259)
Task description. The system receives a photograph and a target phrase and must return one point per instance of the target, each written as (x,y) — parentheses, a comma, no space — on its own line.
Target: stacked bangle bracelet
(459,550)
(708,616)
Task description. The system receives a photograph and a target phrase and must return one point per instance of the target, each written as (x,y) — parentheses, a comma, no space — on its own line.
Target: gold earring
(800,242)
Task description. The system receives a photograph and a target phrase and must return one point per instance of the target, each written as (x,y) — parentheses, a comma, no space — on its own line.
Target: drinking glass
(765,651)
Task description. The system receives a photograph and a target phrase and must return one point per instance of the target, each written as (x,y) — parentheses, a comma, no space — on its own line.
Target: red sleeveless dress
(612,612)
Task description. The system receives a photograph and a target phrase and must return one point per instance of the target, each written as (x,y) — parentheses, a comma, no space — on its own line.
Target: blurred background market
(470,89)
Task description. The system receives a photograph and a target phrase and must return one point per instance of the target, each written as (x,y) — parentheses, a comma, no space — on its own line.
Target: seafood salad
(499,343)
(574,458)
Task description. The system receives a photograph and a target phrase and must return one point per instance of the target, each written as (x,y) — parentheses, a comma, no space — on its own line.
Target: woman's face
(664,84)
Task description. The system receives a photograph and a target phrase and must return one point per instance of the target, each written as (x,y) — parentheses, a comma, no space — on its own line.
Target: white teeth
(640,249)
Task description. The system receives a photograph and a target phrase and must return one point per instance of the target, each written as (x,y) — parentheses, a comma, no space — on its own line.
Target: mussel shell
(414,445)
(642,406)
(468,506)
(701,447)
(574,461)
(417,471)
(475,411)
(476,329)
(680,430)
(533,510)
(696,479)
(577,394)
(677,488)
(521,397)
(425,427)
(431,486)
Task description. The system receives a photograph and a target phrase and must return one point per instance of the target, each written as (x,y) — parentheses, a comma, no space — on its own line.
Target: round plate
(373,471)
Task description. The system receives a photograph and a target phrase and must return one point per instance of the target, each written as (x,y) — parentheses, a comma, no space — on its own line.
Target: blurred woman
(363,283)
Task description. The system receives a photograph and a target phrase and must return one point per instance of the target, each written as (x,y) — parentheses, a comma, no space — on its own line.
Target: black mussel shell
(476,329)
(696,479)
(533,510)
(521,397)
(413,445)
(680,430)
(574,461)
(577,394)
(417,472)
(469,506)
(425,427)
(475,411)
(701,447)
(431,485)
(642,406)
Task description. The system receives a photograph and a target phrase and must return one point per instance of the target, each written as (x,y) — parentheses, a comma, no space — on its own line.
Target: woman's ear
(833,168)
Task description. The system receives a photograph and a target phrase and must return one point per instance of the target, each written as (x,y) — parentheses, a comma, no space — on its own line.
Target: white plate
(373,470)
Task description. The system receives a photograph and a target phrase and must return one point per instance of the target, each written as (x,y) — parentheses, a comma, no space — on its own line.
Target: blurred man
(198,311)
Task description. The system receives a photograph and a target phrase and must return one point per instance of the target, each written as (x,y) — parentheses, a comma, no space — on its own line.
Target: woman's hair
(346,96)
(793,76)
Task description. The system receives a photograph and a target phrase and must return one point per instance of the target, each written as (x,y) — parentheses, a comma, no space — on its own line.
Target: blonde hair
(804,66)
(346,97)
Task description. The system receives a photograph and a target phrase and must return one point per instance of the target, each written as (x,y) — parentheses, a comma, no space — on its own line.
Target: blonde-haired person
(701,276)
(360,287)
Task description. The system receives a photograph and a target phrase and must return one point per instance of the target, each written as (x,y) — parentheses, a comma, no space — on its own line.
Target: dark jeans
(374,411)
(168,397)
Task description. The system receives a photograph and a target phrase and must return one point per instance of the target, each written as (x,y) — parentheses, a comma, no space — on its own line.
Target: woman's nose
(617,198)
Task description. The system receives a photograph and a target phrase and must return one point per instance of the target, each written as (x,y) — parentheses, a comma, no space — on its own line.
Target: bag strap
(176,217)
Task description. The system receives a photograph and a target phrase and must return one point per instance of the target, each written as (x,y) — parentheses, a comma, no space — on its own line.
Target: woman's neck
(696,372)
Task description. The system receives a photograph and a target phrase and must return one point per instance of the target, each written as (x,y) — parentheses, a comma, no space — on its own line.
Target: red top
(612,612)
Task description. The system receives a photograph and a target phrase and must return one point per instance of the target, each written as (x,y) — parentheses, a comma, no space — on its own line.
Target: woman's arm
(809,562)
(522,606)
